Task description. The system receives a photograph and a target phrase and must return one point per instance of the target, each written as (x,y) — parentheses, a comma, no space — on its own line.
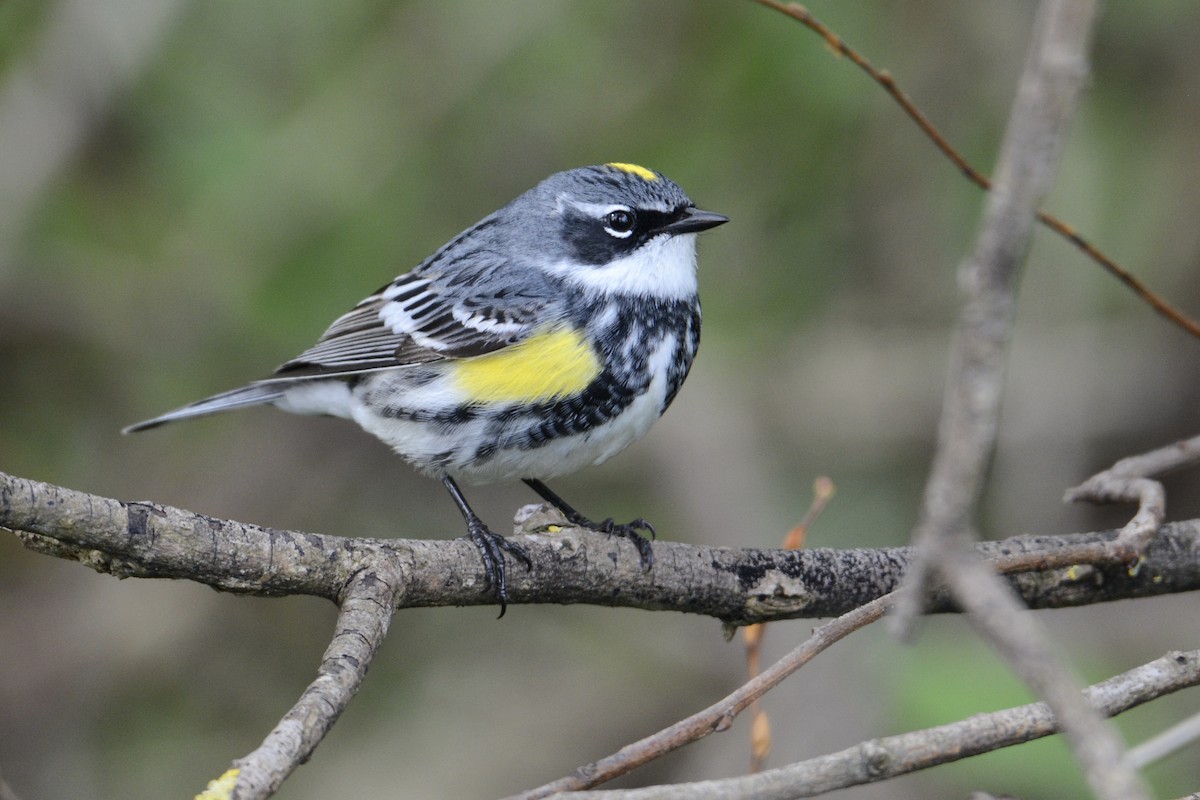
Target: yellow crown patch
(634,169)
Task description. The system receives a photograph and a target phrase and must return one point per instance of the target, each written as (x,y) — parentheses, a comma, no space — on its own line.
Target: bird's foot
(491,547)
(628,530)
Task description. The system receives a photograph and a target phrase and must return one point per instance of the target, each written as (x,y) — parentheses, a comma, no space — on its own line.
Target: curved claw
(645,525)
(516,550)
(491,547)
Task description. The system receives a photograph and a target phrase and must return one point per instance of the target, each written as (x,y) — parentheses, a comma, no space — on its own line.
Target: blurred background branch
(1055,70)
(1036,134)
(1051,221)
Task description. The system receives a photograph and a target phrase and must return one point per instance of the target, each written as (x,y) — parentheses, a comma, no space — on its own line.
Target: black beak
(691,220)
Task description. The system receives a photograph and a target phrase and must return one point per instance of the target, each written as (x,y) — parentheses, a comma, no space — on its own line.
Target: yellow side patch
(221,788)
(543,367)
(634,169)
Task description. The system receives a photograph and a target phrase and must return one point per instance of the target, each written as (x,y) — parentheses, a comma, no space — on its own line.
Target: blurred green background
(191,192)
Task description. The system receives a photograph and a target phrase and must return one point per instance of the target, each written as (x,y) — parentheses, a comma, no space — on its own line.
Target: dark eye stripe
(653,221)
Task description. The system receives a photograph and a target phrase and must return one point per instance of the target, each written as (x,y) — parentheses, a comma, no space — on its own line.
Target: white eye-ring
(620,222)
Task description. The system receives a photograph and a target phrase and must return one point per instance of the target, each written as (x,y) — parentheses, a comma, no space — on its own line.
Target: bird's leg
(628,530)
(491,545)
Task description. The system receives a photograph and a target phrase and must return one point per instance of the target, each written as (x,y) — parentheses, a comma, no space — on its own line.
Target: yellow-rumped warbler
(545,338)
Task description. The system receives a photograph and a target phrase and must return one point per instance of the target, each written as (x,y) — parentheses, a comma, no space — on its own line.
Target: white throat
(663,268)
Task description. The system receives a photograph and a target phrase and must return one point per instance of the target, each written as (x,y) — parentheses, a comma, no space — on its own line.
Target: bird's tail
(252,395)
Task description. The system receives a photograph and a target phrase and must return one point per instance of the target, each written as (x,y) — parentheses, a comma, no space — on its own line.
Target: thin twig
(892,756)
(717,717)
(753,635)
(957,502)
(1062,228)
(1163,744)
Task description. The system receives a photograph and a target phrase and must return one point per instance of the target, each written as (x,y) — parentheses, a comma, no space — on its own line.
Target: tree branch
(892,756)
(737,586)
(999,617)
(367,606)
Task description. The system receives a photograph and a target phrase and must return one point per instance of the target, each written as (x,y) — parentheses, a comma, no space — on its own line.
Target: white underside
(425,444)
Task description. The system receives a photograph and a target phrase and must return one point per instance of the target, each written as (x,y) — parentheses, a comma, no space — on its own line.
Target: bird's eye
(619,222)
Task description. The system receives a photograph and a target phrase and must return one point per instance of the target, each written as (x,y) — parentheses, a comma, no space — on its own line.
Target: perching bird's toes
(632,532)
(491,547)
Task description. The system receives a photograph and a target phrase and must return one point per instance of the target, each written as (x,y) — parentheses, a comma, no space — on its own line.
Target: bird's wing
(422,317)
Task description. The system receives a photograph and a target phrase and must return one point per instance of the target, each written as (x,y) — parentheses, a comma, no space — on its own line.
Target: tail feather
(252,395)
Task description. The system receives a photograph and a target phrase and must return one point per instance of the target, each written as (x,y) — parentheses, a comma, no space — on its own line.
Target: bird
(543,339)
